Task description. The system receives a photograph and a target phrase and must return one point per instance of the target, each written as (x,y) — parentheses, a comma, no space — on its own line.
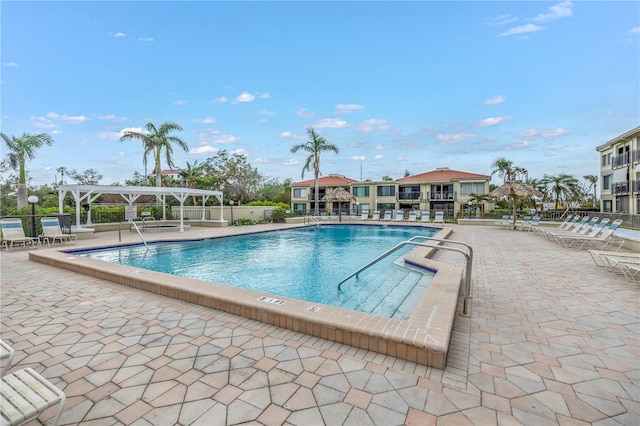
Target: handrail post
(468,264)
(139,233)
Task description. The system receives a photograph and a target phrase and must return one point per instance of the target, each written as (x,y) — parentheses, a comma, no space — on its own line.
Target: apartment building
(442,189)
(620,173)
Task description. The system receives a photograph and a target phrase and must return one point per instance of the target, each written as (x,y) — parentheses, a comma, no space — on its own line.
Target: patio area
(552,339)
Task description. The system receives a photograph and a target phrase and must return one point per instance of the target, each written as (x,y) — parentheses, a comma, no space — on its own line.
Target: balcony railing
(620,188)
(635,186)
(409,196)
(621,160)
(441,195)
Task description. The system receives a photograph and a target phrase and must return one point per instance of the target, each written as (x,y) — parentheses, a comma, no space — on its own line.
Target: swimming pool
(422,338)
(304,263)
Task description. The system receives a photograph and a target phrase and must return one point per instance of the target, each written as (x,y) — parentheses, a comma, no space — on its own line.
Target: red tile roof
(331,180)
(443,175)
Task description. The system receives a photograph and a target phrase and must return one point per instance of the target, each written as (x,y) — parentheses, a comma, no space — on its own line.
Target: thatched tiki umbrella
(340,195)
(515,189)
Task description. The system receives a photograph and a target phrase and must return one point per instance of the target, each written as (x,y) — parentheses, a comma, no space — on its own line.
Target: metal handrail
(139,233)
(468,263)
(312,220)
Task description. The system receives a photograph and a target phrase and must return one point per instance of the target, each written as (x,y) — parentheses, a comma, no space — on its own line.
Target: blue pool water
(303,263)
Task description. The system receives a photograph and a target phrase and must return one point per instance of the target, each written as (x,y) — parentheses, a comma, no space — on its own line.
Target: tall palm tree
(62,171)
(593,180)
(314,147)
(20,150)
(562,186)
(506,169)
(155,139)
(191,174)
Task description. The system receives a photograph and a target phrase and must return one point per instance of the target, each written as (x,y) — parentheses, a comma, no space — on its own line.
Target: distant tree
(274,190)
(155,139)
(562,186)
(233,175)
(190,175)
(593,181)
(315,146)
(387,178)
(62,171)
(22,149)
(505,168)
(88,177)
(407,173)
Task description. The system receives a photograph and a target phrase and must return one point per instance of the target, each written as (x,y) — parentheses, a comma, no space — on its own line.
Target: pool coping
(423,338)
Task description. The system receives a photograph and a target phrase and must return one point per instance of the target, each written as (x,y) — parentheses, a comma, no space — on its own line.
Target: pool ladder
(468,263)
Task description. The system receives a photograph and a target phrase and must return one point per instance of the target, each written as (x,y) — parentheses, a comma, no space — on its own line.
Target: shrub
(278,215)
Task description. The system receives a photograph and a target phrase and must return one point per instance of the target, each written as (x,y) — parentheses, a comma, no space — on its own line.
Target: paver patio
(552,339)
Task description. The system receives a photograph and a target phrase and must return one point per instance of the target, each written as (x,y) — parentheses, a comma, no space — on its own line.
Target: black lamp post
(231,203)
(33,200)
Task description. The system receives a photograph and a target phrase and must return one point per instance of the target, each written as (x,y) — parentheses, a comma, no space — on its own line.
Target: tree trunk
(22,195)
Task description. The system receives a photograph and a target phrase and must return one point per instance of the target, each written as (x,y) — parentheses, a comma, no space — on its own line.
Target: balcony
(446,195)
(620,188)
(635,186)
(409,196)
(621,160)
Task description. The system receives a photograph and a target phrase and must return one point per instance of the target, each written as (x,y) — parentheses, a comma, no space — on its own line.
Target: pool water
(303,263)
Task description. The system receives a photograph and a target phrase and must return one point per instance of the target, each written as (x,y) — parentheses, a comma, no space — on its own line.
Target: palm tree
(20,150)
(477,199)
(191,174)
(593,180)
(506,169)
(62,171)
(154,140)
(314,147)
(562,186)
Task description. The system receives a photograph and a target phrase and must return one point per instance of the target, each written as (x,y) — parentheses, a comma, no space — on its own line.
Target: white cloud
(146,39)
(502,20)
(245,97)
(41,122)
(220,100)
(10,64)
(181,102)
(119,34)
(452,138)
(112,136)
(378,157)
(348,109)
(291,162)
(302,112)
(543,133)
(372,124)
(358,158)
(207,149)
(52,116)
(111,117)
(265,112)
(517,146)
(205,120)
(331,123)
(560,10)
(496,100)
(522,29)
(401,158)
(634,30)
(239,151)
(493,121)
(265,95)
(262,160)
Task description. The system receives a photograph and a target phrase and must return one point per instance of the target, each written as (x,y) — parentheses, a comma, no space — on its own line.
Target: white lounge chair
(399,216)
(438,217)
(600,256)
(25,394)
(603,239)
(6,357)
(51,231)
(525,221)
(364,215)
(387,215)
(413,216)
(13,234)
(532,224)
(375,215)
(503,220)
(425,217)
(631,271)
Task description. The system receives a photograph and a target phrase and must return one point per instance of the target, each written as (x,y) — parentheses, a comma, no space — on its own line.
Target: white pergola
(86,194)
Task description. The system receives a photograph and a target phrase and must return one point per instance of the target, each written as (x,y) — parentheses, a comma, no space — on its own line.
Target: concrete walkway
(552,339)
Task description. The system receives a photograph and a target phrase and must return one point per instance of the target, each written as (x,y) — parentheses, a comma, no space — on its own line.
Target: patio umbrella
(515,189)
(340,195)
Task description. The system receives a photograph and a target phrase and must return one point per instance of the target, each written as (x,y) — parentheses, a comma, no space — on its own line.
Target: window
(300,193)
(472,188)
(299,206)
(606,181)
(360,191)
(386,191)
(606,159)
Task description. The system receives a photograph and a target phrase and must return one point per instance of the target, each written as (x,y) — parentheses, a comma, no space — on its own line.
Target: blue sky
(395,85)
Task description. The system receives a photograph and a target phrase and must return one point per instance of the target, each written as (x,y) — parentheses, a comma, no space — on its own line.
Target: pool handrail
(139,233)
(468,263)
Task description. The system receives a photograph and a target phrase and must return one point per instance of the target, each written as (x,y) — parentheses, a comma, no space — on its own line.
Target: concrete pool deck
(552,339)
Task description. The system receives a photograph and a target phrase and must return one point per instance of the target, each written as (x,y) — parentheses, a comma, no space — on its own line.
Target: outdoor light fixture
(33,200)
(231,203)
